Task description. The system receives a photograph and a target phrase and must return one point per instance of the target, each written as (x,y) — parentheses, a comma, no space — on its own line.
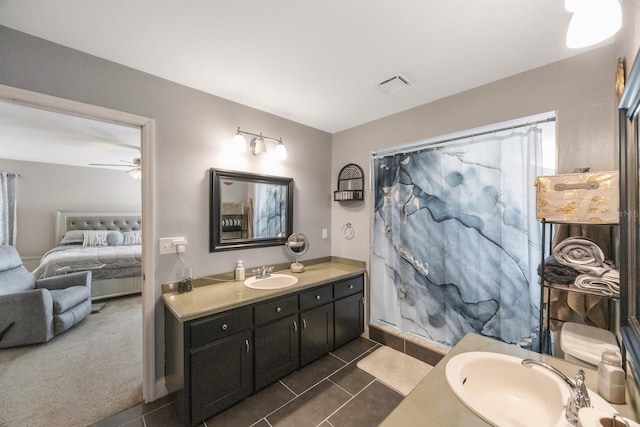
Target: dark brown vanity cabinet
(224,369)
(316,323)
(218,360)
(348,310)
(277,341)
(209,362)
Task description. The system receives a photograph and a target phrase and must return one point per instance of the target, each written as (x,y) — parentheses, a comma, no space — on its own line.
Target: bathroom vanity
(225,341)
(433,403)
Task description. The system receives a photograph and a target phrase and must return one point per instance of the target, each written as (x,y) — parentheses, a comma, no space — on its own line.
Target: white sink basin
(275,281)
(504,393)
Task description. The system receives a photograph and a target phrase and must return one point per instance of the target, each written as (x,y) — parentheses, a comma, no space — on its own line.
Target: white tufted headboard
(93,220)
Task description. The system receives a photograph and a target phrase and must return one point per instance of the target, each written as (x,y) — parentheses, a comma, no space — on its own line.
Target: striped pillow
(132,237)
(95,238)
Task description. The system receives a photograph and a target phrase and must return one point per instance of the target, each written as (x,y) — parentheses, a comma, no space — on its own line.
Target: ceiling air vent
(394,84)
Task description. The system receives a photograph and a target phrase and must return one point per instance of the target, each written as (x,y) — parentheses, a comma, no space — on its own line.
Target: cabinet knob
(350,286)
(224,327)
(278,309)
(317,297)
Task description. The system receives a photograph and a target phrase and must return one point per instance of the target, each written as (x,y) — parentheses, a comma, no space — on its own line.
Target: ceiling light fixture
(592,22)
(258,144)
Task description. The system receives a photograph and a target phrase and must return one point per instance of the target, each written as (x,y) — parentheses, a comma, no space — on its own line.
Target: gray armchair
(34,311)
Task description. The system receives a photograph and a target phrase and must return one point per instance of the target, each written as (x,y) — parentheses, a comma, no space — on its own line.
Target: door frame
(38,100)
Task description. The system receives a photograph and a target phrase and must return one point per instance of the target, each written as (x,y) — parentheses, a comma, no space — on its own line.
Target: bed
(109,244)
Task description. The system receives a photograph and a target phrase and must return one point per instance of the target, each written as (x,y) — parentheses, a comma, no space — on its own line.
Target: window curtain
(269,207)
(455,242)
(8,205)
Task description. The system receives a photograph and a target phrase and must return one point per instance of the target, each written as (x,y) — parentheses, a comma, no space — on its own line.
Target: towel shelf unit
(547,287)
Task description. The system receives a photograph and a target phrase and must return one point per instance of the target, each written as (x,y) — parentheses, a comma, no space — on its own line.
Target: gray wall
(579,89)
(192,132)
(44,189)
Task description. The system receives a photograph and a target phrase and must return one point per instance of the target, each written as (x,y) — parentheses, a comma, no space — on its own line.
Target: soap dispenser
(239,272)
(611,376)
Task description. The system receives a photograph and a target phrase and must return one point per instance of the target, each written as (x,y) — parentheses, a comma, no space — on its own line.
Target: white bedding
(105,262)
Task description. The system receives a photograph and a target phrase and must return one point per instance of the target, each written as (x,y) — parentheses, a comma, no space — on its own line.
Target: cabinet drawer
(316,297)
(348,287)
(219,326)
(272,310)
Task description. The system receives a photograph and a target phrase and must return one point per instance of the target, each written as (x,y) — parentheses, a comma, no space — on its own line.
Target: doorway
(145,126)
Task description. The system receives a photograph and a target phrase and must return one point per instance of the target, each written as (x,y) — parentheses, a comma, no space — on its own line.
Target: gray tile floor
(330,392)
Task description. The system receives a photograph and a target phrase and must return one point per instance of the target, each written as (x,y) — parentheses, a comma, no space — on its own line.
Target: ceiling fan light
(135,173)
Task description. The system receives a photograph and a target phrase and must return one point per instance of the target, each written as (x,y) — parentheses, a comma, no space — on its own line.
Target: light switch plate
(325,234)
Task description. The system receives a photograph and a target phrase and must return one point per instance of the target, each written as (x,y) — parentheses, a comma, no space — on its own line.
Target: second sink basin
(503,392)
(275,281)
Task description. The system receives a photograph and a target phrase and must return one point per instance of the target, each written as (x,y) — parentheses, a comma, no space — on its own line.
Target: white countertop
(219,297)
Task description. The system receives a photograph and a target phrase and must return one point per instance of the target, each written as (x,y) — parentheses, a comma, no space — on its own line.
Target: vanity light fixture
(258,145)
(592,22)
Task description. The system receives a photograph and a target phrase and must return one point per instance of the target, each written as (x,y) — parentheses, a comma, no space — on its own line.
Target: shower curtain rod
(409,148)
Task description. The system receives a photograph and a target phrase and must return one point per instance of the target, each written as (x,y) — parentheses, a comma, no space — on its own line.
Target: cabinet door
(221,374)
(349,318)
(316,333)
(277,350)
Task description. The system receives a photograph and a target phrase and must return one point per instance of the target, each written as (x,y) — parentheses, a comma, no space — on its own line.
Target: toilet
(584,344)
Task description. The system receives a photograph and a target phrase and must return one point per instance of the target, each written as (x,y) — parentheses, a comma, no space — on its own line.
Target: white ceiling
(314,62)
(35,135)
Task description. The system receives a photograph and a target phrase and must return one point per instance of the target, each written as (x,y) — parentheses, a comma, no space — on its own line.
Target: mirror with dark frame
(628,135)
(249,210)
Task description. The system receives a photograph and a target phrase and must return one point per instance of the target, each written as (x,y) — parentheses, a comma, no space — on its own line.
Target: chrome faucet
(263,272)
(579,394)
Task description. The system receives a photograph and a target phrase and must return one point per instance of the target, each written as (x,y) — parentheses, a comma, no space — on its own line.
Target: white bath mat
(395,369)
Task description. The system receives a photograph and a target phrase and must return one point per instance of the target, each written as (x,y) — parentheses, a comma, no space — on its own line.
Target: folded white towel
(581,254)
(608,284)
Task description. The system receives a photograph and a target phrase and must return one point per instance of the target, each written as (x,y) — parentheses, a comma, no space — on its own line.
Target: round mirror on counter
(297,245)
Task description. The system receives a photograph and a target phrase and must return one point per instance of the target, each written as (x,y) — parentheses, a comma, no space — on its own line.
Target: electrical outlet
(168,246)
(325,233)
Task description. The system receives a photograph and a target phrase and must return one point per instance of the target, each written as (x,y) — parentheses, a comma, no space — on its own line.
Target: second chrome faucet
(579,394)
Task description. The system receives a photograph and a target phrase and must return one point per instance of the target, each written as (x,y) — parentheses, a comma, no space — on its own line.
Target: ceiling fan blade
(125,163)
(113,164)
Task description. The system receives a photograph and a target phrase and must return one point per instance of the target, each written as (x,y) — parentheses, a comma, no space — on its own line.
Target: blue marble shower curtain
(270,218)
(455,244)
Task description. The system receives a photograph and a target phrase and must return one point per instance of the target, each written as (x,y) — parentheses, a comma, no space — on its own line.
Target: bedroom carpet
(88,373)
(96,308)
(395,369)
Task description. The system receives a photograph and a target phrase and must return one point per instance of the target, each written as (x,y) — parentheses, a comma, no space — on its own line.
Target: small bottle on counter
(239,273)
(611,376)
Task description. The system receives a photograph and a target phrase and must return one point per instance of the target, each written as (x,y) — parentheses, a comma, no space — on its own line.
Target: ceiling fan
(134,165)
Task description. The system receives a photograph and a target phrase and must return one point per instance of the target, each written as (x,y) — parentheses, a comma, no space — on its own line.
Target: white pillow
(73,236)
(132,237)
(95,238)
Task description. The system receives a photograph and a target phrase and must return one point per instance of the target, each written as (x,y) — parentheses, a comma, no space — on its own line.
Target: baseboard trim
(160,389)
